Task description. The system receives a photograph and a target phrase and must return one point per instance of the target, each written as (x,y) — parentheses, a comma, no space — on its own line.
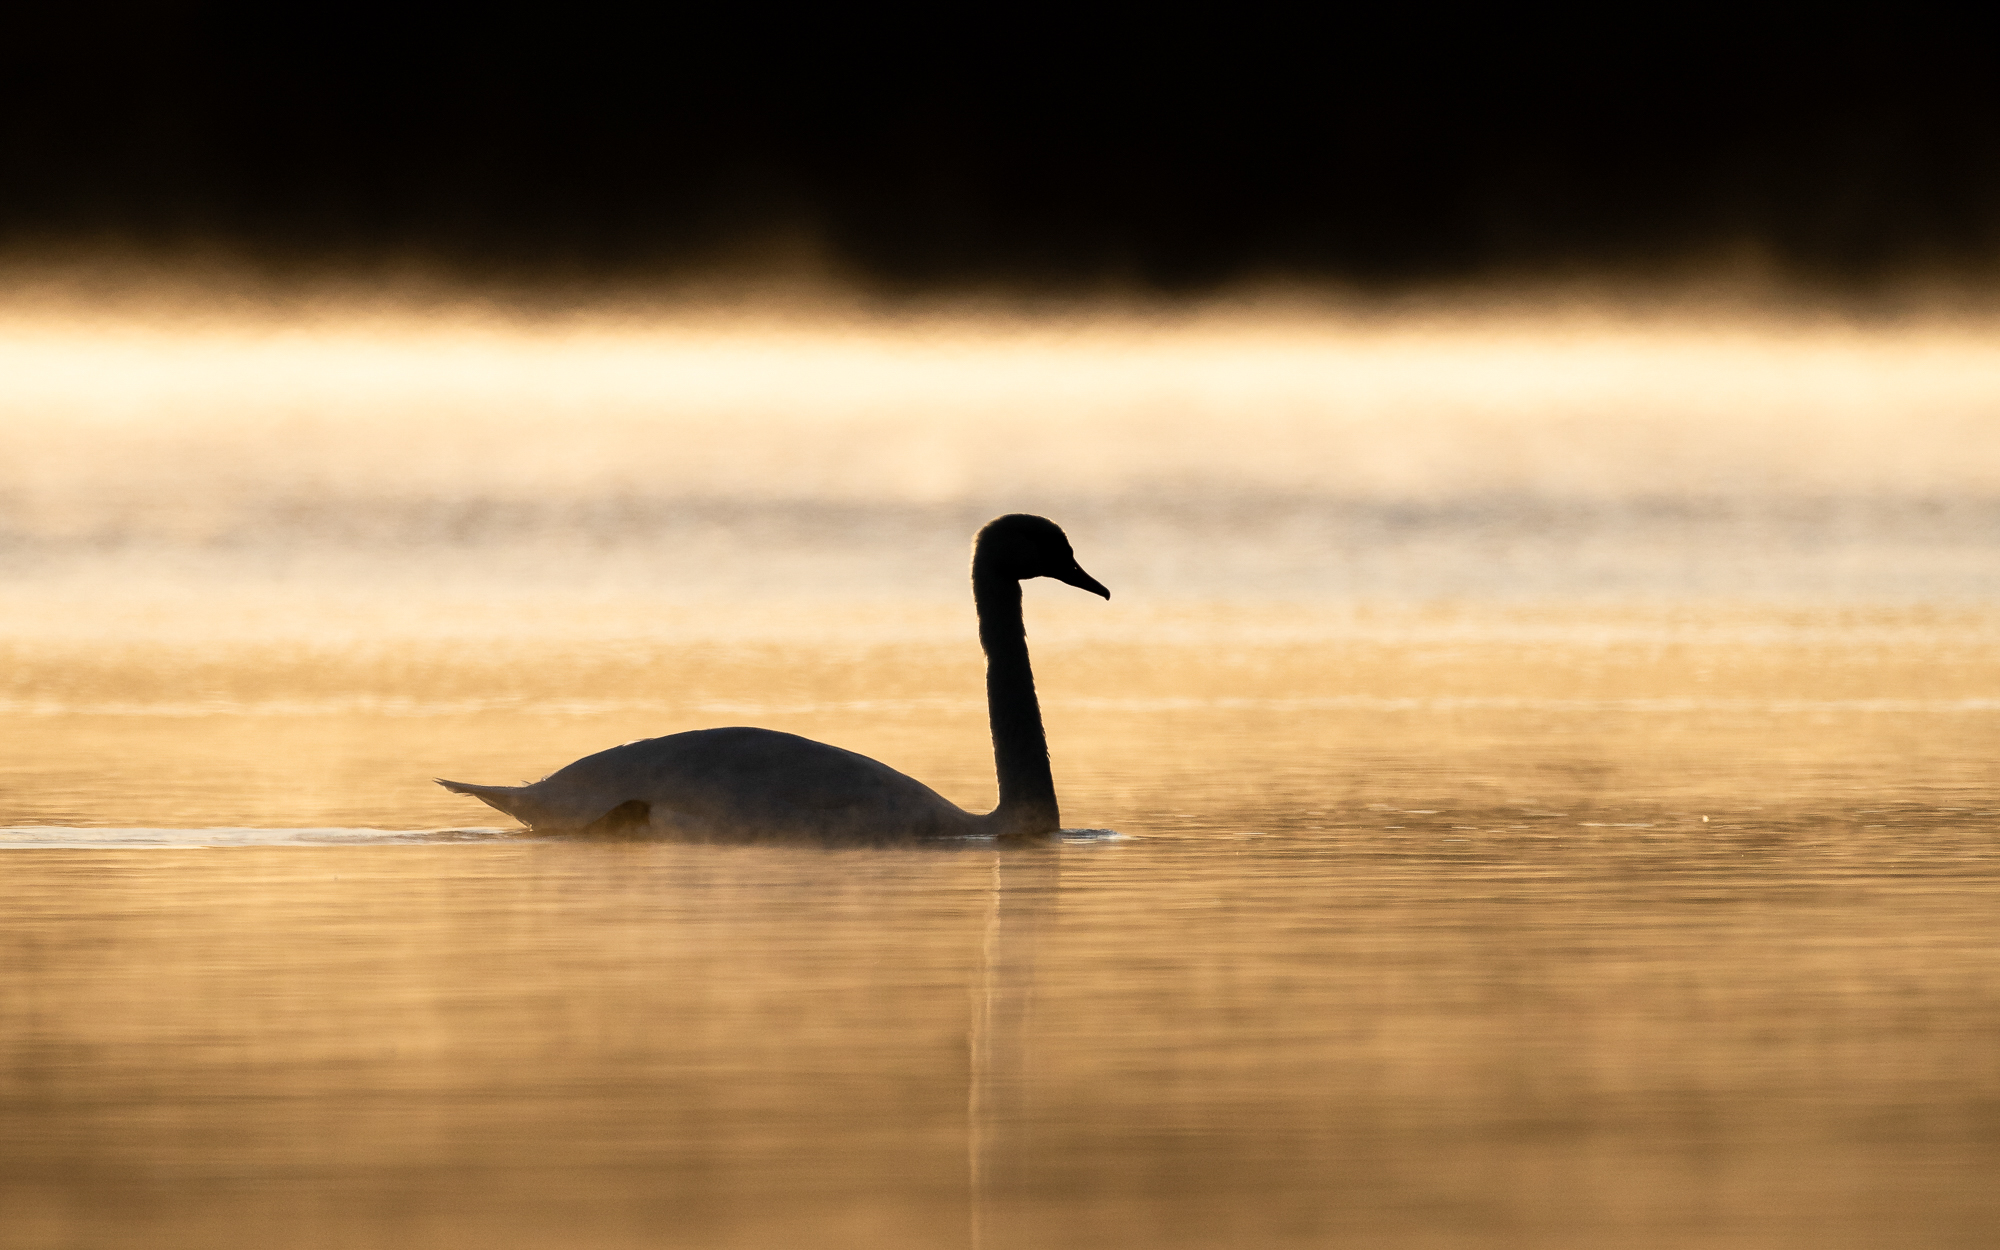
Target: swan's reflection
(1021,901)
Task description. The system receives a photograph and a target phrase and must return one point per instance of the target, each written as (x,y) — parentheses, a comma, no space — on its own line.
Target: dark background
(1016,155)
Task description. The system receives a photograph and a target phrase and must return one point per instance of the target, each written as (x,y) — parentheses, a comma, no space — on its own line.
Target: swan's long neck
(1020,748)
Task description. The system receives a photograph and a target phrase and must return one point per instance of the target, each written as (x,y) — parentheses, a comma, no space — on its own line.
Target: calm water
(1597,852)
(1438,928)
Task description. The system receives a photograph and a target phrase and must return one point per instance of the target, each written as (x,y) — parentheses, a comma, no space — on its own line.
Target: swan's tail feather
(506,799)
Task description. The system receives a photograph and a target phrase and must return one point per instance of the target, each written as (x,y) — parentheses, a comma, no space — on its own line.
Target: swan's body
(759,783)
(728,781)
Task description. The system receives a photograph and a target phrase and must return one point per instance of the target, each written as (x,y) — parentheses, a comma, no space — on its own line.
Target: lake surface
(1574,839)
(1437,928)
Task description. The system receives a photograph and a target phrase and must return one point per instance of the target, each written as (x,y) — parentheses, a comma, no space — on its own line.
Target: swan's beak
(1075,576)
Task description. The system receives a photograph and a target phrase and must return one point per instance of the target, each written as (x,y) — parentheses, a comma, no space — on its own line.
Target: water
(1429,930)
(1483,856)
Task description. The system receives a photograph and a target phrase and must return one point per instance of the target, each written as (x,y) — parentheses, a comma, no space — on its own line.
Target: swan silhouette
(760,783)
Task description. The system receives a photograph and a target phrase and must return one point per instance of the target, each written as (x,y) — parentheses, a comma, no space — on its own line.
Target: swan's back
(731,783)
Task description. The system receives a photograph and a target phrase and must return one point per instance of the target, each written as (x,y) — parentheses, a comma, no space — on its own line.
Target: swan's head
(1023,546)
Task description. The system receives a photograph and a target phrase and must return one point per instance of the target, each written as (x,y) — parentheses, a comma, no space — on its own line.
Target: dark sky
(1016,156)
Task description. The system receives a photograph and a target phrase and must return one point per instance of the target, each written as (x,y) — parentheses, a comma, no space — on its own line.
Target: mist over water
(1550,752)
(1232,454)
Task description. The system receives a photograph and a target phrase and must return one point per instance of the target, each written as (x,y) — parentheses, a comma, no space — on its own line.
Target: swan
(741,782)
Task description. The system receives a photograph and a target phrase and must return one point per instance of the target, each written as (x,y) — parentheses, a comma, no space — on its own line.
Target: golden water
(1564,819)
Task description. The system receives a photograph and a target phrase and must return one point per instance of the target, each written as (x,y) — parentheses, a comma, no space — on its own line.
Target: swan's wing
(741,777)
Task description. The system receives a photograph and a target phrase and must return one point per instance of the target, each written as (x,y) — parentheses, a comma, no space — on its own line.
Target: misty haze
(1531,784)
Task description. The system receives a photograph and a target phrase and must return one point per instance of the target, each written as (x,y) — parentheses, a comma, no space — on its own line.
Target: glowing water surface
(1437,928)
(1553,771)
